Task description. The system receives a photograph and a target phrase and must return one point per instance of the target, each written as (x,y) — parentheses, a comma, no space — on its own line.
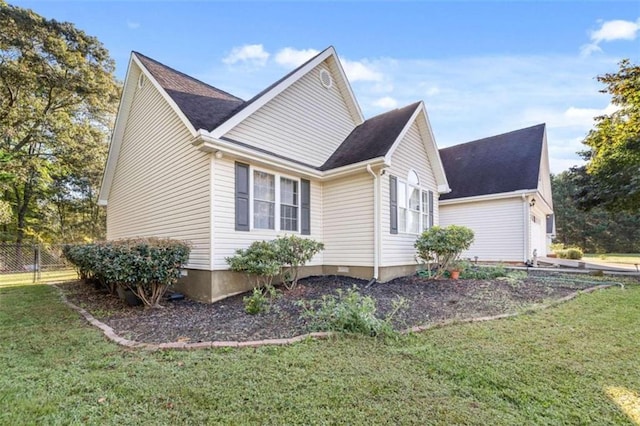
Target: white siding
(498,226)
(348,221)
(227,240)
(306,122)
(161,182)
(398,249)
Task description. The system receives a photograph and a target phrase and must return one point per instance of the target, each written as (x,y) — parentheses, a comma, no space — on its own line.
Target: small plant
(443,245)
(350,312)
(257,302)
(514,278)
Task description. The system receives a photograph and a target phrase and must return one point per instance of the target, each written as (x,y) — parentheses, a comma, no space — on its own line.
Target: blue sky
(482,68)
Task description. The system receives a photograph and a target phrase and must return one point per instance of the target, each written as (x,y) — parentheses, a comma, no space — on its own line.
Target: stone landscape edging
(111,334)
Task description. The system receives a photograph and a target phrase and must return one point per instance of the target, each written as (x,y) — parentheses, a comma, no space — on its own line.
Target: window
(264,200)
(276,202)
(415,206)
(288,204)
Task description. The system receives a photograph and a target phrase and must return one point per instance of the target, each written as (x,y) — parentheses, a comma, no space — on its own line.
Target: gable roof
(204,106)
(497,164)
(371,139)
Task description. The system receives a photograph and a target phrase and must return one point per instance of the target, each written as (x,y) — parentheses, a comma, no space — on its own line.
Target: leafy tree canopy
(611,178)
(58,96)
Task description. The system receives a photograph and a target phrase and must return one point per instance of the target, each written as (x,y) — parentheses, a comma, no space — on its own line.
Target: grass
(25,278)
(573,364)
(625,258)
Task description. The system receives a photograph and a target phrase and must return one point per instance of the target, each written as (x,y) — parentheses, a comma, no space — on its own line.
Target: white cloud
(251,54)
(133,25)
(291,58)
(360,71)
(386,103)
(611,31)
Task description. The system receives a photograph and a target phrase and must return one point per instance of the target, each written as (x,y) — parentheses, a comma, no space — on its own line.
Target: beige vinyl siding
(498,226)
(227,240)
(306,122)
(398,249)
(348,221)
(161,182)
(538,231)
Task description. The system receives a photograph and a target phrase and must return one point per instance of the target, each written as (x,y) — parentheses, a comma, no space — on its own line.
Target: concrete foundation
(210,286)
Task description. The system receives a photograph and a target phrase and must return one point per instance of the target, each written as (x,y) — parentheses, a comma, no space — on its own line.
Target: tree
(611,178)
(58,96)
(596,230)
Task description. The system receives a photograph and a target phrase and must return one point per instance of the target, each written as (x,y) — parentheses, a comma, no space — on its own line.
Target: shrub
(259,261)
(350,312)
(294,252)
(148,267)
(563,252)
(443,245)
(474,272)
(284,256)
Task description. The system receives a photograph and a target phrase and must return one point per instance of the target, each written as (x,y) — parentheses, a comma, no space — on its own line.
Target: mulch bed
(427,302)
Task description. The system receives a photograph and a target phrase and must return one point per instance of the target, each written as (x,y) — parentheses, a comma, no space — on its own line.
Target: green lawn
(25,278)
(565,365)
(627,258)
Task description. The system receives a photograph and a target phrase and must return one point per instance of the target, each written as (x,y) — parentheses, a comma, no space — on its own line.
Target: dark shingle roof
(502,163)
(373,138)
(205,106)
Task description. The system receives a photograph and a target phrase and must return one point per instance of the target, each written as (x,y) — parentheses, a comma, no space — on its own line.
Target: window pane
(425,222)
(414,199)
(288,192)
(402,194)
(288,218)
(264,214)
(402,219)
(413,222)
(264,186)
(425,202)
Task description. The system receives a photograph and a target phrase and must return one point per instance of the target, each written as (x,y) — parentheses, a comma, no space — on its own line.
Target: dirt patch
(427,302)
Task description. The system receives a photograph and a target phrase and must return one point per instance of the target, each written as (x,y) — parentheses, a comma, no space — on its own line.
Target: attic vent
(325,78)
(141,81)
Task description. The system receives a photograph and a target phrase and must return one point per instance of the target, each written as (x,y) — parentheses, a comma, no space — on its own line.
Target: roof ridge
(187,76)
(494,136)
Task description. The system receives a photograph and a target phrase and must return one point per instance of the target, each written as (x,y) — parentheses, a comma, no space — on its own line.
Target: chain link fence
(31,259)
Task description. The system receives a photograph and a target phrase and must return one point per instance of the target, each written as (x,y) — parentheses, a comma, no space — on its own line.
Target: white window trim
(423,215)
(277,202)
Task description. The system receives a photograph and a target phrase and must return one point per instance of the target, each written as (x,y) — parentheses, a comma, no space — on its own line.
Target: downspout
(525,227)
(376,226)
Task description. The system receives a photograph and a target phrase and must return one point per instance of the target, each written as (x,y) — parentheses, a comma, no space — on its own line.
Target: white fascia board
(352,96)
(489,197)
(275,91)
(116,137)
(430,146)
(206,143)
(166,97)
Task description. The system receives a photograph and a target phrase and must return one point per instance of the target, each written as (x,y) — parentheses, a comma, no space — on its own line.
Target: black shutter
(305,207)
(242,197)
(393,204)
(430,209)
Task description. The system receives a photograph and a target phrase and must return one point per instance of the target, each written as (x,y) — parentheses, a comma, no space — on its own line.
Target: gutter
(206,143)
(376,226)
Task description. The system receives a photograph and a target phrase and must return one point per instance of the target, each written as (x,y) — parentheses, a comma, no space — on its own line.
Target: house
(190,161)
(501,189)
